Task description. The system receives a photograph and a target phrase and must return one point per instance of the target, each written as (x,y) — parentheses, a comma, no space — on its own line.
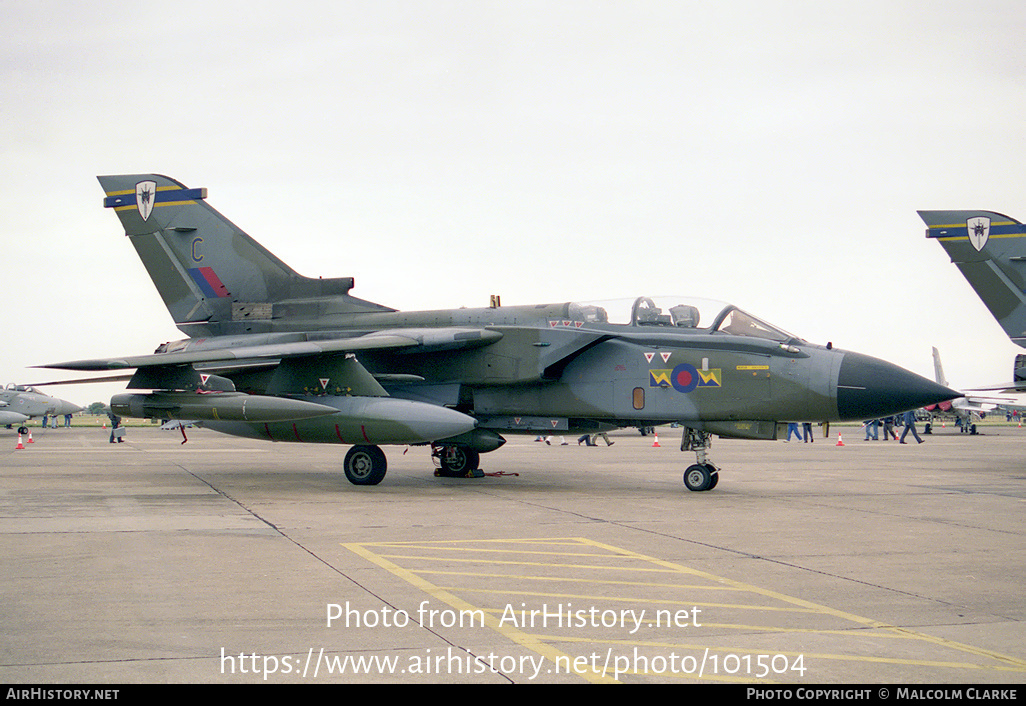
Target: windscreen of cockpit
(740,323)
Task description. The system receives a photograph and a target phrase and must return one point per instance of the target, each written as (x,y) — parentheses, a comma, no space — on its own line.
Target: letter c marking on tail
(195,256)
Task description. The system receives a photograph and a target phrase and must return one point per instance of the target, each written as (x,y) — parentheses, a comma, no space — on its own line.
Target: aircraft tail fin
(938,371)
(990,251)
(213,277)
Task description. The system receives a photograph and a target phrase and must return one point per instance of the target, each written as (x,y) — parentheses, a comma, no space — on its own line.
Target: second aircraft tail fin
(990,251)
(938,370)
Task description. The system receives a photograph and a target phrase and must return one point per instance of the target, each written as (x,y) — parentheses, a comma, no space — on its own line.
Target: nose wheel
(702,475)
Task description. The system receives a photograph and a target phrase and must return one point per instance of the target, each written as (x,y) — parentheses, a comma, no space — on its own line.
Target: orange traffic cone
(655,444)
(20,445)
(840,442)
(30,438)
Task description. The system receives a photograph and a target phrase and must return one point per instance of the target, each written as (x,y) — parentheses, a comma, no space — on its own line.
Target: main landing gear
(456,461)
(702,475)
(365,465)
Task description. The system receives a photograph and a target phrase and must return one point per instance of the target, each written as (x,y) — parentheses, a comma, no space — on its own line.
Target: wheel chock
(472,473)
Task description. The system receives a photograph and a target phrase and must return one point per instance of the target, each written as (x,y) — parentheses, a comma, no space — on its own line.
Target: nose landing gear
(702,475)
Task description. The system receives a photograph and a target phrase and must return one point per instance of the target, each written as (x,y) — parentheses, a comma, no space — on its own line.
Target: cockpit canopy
(678,313)
(11,387)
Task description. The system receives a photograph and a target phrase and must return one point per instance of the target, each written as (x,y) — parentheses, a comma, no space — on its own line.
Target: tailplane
(213,277)
(990,251)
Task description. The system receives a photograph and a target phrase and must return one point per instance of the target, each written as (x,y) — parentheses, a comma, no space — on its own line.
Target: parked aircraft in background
(965,412)
(275,355)
(19,403)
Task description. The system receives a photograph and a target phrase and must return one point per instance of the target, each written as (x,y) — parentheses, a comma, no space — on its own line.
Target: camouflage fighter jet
(275,355)
(19,403)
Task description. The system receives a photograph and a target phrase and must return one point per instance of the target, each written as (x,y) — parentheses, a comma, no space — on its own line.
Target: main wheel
(699,477)
(458,461)
(365,465)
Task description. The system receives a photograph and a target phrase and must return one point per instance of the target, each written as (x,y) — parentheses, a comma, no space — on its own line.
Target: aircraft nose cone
(65,407)
(868,388)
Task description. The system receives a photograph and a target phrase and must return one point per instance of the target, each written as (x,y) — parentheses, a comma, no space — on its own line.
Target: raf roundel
(684,378)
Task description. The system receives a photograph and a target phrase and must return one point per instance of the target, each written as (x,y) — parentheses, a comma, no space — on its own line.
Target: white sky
(771,154)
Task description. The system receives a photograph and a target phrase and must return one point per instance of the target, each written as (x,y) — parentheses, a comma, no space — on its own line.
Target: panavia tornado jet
(19,403)
(275,355)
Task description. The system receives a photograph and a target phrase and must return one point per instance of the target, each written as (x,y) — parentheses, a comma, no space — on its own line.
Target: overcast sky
(770,154)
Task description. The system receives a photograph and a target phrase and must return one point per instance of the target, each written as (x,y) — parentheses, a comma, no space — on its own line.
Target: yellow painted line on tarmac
(609,558)
(565,579)
(1017,664)
(657,601)
(515,635)
(464,548)
(599,567)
